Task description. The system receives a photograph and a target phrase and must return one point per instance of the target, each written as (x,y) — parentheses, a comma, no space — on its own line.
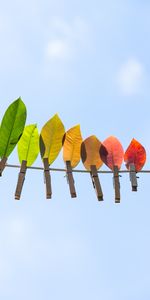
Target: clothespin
(70,179)
(96,182)
(116,184)
(21,180)
(2,165)
(133,177)
(47,178)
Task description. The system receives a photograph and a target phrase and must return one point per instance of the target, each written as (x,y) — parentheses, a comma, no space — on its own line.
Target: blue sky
(89,62)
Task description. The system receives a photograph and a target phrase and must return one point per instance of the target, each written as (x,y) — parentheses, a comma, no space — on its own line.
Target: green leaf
(28,146)
(51,138)
(12,127)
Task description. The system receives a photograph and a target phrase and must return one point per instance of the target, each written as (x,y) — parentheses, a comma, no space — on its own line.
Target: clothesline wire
(75,171)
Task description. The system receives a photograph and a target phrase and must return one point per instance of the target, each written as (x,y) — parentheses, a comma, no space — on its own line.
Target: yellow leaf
(72,146)
(51,138)
(90,155)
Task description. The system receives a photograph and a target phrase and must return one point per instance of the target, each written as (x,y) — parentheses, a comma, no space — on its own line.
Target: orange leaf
(135,154)
(90,152)
(112,152)
(72,145)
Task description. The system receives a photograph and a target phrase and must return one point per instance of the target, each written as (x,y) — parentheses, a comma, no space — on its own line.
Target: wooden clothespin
(116,184)
(133,177)
(47,178)
(70,179)
(2,165)
(96,182)
(21,180)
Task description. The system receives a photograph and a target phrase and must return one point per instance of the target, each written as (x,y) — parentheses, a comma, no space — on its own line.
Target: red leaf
(112,153)
(135,154)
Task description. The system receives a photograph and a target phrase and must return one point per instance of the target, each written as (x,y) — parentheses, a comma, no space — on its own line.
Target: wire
(75,171)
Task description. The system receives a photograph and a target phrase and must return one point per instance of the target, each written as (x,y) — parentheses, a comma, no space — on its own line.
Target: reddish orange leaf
(135,154)
(90,152)
(112,152)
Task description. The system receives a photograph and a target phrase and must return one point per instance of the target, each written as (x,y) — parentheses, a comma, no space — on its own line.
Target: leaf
(12,127)
(112,152)
(72,145)
(51,138)
(135,154)
(90,152)
(28,146)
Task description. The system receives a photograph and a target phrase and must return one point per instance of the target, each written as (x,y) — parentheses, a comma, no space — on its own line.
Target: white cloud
(57,49)
(130,77)
(17,228)
(65,39)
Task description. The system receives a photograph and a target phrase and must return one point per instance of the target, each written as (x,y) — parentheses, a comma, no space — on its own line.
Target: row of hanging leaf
(52,138)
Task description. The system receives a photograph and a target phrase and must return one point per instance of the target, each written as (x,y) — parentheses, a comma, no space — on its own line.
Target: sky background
(89,62)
